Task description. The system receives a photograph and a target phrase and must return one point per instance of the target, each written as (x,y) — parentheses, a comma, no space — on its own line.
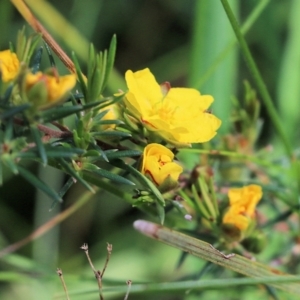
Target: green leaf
(111,133)
(9,131)
(100,115)
(91,63)
(35,181)
(104,173)
(108,122)
(13,111)
(205,251)
(32,44)
(110,59)
(143,179)
(39,144)
(123,153)
(70,170)
(53,152)
(55,114)
(94,76)
(79,75)
(8,161)
(161,212)
(36,60)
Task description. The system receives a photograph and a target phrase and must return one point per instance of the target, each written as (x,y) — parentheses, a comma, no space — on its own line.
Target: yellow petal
(145,89)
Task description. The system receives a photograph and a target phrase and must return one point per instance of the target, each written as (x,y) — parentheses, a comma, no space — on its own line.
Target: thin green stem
(266,98)
(245,27)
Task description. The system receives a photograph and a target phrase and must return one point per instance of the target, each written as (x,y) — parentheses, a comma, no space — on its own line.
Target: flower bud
(239,218)
(9,65)
(47,90)
(158,165)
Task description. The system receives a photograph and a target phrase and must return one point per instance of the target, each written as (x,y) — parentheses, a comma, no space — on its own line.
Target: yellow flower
(46,89)
(112,114)
(178,115)
(9,65)
(158,164)
(243,202)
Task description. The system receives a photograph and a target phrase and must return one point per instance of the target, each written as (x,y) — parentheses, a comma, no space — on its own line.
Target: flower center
(164,111)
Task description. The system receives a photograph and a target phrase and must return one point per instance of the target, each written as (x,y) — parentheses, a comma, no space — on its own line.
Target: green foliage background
(180,42)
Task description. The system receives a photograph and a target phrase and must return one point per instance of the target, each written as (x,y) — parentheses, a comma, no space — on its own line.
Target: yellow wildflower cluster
(242,204)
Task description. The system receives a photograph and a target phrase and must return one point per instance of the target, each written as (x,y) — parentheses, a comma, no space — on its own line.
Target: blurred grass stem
(48,225)
(266,98)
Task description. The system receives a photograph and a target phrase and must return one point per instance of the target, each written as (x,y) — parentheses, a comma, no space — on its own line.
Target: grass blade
(205,251)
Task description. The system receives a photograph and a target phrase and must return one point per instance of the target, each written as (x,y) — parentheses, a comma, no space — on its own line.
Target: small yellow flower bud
(158,164)
(45,90)
(9,65)
(241,211)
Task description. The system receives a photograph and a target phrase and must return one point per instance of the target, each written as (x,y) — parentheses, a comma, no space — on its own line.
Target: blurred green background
(183,42)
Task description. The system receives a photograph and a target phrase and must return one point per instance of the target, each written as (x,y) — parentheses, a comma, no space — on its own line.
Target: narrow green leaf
(143,179)
(79,75)
(205,251)
(70,170)
(66,187)
(103,58)
(35,181)
(123,153)
(199,203)
(50,56)
(54,114)
(108,122)
(39,144)
(91,65)
(100,115)
(94,83)
(4,100)
(104,173)
(53,152)
(13,111)
(8,133)
(110,59)
(32,47)
(112,133)
(206,198)
(102,155)
(8,161)
(161,212)
(36,60)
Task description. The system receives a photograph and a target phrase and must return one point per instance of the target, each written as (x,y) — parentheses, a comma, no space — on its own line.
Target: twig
(60,126)
(109,250)
(60,274)
(97,273)
(38,27)
(128,282)
(52,133)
